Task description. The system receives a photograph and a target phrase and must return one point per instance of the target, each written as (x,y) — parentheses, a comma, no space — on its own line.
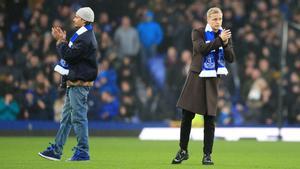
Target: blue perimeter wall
(93,125)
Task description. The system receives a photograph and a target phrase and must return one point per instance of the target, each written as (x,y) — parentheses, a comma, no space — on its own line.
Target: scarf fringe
(61,70)
(208,73)
(222,71)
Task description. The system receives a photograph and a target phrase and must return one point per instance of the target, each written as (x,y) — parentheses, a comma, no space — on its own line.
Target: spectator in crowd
(109,108)
(266,73)
(128,101)
(268,110)
(33,67)
(292,98)
(225,116)
(173,83)
(294,115)
(38,102)
(104,23)
(239,111)
(105,46)
(7,84)
(9,108)
(230,114)
(10,68)
(127,71)
(21,58)
(151,35)
(149,105)
(255,97)
(106,79)
(126,40)
(186,59)
(37,105)
(44,101)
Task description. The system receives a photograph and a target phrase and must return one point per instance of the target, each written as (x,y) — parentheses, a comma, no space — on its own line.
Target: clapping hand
(225,36)
(58,33)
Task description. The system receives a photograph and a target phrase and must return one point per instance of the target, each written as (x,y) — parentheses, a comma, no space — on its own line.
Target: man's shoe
(180,156)
(50,153)
(79,155)
(207,160)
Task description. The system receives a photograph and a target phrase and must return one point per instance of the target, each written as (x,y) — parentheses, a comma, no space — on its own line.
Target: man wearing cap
(80,67)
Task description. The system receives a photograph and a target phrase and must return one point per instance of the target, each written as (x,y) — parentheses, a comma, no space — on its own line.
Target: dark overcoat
(200,94)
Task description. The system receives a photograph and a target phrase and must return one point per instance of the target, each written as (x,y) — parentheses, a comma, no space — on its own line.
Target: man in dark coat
(79,65)
(211,47)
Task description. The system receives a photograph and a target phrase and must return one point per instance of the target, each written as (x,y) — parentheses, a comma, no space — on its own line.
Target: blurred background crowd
(144,56)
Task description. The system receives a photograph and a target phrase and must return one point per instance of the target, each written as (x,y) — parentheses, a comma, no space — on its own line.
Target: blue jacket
(150,33)
(111,108)
(81,57)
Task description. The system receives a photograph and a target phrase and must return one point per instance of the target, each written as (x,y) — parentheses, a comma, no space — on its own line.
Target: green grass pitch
(131,153)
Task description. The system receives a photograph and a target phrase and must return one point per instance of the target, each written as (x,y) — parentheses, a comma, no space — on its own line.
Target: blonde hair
(213,10)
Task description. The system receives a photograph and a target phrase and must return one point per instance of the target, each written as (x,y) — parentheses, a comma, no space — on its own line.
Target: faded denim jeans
(74,114)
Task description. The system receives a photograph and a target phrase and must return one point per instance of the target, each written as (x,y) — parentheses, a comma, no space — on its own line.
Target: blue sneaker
(50,153)
(79,155)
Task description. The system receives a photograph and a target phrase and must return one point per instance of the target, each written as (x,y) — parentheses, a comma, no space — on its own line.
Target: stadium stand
(141,75)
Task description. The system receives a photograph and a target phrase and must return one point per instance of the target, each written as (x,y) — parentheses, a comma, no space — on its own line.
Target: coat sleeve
(73,54)
(228,52)
(199,44)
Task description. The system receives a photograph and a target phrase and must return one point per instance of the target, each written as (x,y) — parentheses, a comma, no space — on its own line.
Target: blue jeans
(74,113)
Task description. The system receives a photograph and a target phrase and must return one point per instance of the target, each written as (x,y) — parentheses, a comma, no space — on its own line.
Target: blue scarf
(80,31)
(213,62)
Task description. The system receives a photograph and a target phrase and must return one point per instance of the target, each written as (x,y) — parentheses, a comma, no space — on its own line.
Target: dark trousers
(185,130)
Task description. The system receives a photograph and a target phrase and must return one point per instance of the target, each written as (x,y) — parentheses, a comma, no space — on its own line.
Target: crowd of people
(144,57)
